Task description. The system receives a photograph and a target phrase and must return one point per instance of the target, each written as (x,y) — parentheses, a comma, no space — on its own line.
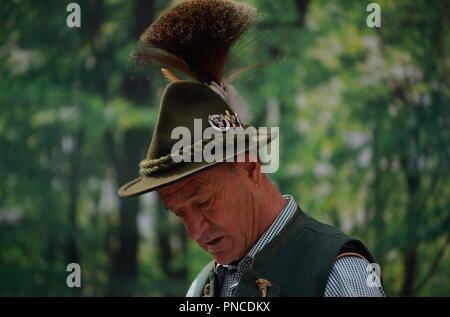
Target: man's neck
(270,204)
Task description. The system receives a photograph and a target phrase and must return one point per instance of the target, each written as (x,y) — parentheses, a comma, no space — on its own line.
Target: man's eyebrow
(194,192)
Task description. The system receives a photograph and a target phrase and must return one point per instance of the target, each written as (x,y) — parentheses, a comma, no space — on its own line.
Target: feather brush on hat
(195,37)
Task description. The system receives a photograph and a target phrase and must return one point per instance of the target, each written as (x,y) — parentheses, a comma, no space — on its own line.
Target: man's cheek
(188,232)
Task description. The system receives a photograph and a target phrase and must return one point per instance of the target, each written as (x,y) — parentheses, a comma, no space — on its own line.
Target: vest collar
(281,241)
(263,258)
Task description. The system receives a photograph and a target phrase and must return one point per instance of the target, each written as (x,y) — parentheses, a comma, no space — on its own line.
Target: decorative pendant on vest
(207,290)
(263,284)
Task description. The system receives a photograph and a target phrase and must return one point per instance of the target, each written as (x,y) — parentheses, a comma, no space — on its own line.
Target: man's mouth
(213,246)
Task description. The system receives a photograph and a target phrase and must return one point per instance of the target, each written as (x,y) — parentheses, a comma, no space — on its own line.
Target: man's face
(216,208)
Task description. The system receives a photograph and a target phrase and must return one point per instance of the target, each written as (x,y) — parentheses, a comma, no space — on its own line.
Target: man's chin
(223,258)
(221,250)
(220,258)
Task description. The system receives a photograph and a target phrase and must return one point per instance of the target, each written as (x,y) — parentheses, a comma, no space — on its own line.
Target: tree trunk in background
(302,7)
(181,274)
(72,253)
(409,275)
(414,205)
(376,209)
(168,252)
(136,89)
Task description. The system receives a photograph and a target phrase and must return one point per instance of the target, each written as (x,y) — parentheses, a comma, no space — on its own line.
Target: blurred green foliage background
(364,121)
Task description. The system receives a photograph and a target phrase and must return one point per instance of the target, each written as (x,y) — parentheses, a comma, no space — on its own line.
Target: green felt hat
(182,102)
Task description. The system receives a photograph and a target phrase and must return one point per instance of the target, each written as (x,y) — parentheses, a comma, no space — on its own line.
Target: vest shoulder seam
(349,254)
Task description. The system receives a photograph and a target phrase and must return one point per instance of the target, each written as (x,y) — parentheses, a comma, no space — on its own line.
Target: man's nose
(196,223)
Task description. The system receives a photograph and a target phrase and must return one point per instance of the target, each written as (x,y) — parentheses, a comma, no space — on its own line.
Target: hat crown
(182,102)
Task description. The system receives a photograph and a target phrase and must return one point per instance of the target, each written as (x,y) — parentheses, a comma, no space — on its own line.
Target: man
(262,243)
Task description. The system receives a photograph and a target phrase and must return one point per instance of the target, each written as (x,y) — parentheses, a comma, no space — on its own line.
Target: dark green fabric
(297,262)
(183,101)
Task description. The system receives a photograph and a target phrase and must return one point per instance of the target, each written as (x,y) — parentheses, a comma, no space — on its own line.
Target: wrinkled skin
(225,209)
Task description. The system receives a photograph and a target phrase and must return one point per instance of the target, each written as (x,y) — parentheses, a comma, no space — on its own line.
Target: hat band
(149,167)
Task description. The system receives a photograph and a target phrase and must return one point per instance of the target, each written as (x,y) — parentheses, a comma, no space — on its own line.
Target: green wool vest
(297,261)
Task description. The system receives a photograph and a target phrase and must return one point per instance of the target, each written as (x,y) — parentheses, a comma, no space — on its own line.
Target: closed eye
(206,202)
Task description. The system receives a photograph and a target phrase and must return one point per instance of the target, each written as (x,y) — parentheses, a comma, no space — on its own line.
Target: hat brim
(145,184)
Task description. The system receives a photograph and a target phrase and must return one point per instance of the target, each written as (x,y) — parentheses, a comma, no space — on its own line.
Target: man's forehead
(185,188)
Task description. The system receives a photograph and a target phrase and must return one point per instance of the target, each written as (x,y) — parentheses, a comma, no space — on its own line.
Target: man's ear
(252,168)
